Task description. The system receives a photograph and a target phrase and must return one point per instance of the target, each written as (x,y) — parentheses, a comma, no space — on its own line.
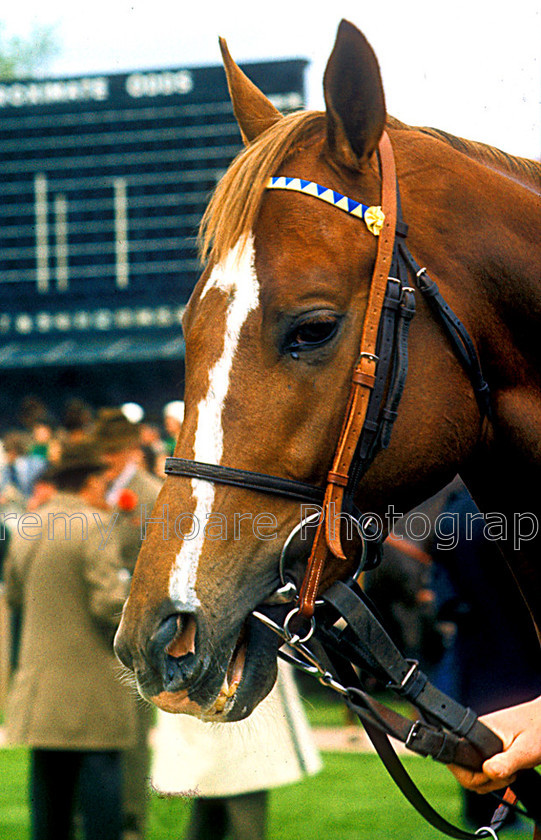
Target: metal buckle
(407,301)
(293,638)
(412,734)
(371,356)
(414,667)
(420,282)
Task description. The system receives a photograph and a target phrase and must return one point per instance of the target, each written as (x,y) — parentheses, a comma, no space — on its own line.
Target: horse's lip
(258,672)
(251,667)
(202,696)
(148,685)
(232,680)
(176,702)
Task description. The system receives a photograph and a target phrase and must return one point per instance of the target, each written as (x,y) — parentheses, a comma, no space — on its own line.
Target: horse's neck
(512,266)
(505,474)
(489,253)
(511,350)
(478,231)
(506,489)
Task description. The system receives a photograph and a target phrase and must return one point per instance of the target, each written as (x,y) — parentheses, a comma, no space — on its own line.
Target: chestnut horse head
(272,337)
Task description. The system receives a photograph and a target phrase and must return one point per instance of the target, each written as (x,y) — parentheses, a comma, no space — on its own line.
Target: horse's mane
(521,169)
(233,208)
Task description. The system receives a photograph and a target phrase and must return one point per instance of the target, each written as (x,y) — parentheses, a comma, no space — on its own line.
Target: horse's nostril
(172,650)
(178,671)
(162,637)
(183,642)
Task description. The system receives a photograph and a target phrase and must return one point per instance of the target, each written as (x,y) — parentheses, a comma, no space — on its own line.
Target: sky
(471,68)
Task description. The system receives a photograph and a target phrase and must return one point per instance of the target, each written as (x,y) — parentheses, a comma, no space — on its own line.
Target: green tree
(26,56)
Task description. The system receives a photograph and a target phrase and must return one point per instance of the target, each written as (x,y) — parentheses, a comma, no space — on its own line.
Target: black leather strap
(248,480)
(380,413)
(404,782)
(385,353)
(400,367)
(463,739)
(365,634)
(380,722)
(457,332)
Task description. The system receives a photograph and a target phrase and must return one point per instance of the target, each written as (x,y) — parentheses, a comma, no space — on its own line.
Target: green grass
(323,708)
(13,802)
(352,798)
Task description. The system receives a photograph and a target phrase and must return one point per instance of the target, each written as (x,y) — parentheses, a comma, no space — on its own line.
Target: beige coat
(66,693)
(128,527)
(273,747)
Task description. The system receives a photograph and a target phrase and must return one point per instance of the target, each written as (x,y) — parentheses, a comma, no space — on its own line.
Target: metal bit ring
(293,638)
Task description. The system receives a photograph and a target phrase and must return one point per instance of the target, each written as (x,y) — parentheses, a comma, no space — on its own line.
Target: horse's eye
(312,333)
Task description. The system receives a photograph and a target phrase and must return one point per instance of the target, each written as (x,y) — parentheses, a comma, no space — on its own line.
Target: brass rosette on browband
(372,216)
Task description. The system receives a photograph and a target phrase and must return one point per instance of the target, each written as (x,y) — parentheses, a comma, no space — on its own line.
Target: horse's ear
(354,98)
(254,112)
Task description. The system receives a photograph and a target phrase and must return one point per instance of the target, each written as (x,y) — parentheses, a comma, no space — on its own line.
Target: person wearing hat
(131,493)
(66,701)
(118,442)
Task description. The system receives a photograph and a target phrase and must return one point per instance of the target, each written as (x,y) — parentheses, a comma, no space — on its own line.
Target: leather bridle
(377,383)
(347,635)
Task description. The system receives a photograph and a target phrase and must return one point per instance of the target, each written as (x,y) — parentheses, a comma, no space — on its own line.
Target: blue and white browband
(373,217)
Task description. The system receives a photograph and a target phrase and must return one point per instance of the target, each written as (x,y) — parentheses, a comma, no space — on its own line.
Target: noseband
(377,380)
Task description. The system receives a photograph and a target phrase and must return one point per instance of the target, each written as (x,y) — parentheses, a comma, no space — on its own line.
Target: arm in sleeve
(106,580)
(16,563)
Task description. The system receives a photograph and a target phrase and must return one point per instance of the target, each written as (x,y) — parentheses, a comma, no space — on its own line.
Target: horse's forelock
(233,209)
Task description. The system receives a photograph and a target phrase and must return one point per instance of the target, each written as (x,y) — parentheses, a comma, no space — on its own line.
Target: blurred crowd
(88,732)
(39,438)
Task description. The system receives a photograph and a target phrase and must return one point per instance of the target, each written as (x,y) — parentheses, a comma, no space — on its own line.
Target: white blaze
(237,278)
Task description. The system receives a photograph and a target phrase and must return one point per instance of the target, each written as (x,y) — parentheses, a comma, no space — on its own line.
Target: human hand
(519,728)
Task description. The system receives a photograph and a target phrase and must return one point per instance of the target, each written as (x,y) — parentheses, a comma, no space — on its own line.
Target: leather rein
(444,730)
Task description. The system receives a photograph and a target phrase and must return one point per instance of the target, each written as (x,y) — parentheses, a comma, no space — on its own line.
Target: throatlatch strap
(363,381)
(457,332)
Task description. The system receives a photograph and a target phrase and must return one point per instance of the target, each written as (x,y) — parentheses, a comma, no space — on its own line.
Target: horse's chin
(249,677)
(176,703)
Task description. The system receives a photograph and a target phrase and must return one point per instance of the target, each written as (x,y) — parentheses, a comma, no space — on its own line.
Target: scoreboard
(103,181)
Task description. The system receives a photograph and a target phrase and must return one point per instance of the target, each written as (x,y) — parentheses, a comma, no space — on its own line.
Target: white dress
(273,747)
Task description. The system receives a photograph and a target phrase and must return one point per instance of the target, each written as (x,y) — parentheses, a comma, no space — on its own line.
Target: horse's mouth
(233,677)
(248,677)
